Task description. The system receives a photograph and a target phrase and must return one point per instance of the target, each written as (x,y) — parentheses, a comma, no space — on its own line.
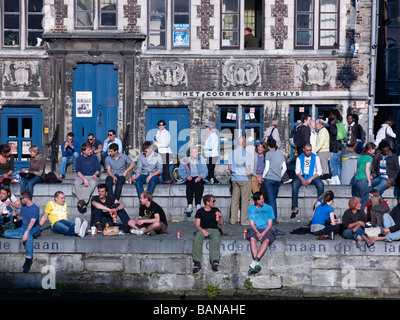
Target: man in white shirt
(308,170)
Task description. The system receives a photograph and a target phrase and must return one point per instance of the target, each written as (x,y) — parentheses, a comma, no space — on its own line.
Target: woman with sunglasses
(161,141)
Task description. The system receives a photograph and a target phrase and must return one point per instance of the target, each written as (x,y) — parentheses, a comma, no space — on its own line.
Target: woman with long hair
(324,222)
(363,177)
(6,164)
(36,170)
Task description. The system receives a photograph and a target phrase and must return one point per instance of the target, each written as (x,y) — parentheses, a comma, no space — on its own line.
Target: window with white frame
(307,23)
(231,29)
(96,14)
(21,25)
(328,24)
(169,17)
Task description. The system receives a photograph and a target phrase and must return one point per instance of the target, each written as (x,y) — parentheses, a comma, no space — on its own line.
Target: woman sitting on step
(324,222)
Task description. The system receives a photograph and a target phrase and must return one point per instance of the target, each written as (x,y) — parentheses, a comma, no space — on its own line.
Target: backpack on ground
(296,137)
(50,177)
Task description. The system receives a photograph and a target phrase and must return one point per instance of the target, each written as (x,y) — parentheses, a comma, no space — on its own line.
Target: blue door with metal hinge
(95,100)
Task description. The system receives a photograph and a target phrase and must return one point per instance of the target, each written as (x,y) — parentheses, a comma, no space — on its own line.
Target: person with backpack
(300,135)
(272,133)
(355,135)
(337,133)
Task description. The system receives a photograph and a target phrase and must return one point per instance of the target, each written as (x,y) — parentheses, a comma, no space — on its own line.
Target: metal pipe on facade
(373,48)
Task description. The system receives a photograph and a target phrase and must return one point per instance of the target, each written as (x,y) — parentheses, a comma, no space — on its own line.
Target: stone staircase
(173,199)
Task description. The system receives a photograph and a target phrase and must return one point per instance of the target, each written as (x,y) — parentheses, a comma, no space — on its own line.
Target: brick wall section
(279,32)
(61,12)
(132,13)
(205,32)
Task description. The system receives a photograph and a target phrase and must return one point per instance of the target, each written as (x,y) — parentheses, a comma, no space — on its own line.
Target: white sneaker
(77,227)
(254,264)
(338,180)
(189,208)
(82,230)
(198,207)
(136,232)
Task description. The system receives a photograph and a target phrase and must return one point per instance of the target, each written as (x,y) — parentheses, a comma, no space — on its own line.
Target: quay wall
(292,266)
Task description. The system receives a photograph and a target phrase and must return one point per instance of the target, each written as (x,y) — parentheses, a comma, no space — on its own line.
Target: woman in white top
(386,129)
(162,141)
(211,151)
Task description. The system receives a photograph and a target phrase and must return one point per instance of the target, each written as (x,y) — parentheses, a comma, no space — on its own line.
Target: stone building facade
(95,65)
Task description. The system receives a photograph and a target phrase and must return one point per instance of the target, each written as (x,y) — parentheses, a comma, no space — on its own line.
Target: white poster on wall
(84,104)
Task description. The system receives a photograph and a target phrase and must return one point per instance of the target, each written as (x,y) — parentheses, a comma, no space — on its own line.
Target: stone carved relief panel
(240,73)
(320,73)
(167,73)
(21,74)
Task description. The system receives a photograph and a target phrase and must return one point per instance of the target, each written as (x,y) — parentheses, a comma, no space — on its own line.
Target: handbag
(27,175)
(111,231)
(341,131)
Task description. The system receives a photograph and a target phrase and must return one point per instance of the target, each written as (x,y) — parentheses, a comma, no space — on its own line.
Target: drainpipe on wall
(374,31)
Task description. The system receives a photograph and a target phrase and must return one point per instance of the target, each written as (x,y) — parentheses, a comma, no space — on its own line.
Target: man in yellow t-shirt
(57,212)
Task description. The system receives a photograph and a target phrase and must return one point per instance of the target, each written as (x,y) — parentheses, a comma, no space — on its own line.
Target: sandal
(323,237)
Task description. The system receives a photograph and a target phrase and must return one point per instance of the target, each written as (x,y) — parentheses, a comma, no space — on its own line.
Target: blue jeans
(362,190)
(141,180)
(66,227)
(66,161)
(387,223)
(272,189)
(380,184)
(296,184)
(335,164)
(28,184)
(18,234)
(349,234)
(116,194)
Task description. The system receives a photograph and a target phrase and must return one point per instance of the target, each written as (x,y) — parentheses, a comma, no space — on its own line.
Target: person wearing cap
(211,151)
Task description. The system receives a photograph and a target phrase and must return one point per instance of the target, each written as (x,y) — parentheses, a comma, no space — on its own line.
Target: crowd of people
(257,176)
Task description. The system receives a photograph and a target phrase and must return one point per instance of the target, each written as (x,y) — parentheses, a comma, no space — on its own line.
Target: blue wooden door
(21,128)
(95,101)
(177,120)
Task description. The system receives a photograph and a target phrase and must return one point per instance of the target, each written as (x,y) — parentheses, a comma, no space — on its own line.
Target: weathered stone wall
(290,267)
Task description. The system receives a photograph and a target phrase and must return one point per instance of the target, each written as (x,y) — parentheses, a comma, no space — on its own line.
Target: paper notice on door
(84,104)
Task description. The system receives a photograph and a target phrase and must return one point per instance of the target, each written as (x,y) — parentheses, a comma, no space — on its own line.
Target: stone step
(172,198)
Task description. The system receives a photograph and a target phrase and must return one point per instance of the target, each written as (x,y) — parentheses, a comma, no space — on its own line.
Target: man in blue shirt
(88,170)
(117,165)
(111,138)
(239,164)
(70,152)
(29,230)
(261,217)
